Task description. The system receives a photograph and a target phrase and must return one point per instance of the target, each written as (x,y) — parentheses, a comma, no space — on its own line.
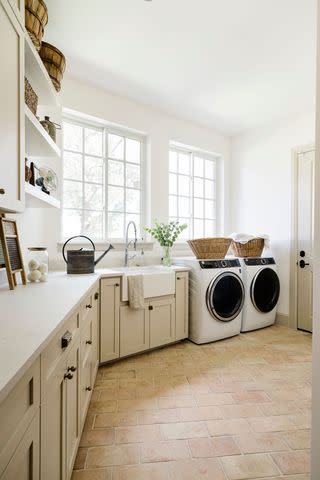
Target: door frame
(293,289)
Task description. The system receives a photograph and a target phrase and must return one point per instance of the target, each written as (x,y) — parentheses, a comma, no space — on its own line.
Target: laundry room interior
(159,240)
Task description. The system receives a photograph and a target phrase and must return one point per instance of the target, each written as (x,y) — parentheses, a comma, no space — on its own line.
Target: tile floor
(231,410)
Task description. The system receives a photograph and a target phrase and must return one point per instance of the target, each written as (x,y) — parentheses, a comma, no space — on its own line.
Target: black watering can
(82,261)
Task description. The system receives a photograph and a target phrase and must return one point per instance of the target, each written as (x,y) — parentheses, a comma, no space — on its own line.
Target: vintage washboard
(10,251)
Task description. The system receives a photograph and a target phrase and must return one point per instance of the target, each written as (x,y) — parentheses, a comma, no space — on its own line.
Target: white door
(305,190)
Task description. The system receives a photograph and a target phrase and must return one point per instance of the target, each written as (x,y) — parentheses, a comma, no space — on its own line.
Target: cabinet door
(134,330)
(182,310)
(11,111)
(162,321)
(109,319)
(95,335)
(24,465)
(72,408)
(52,426)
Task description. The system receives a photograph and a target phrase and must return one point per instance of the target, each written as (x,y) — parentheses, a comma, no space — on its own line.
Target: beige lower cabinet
(134,330)
(162,321)
(25,463)
(70,415)
(109,319)
(182,305)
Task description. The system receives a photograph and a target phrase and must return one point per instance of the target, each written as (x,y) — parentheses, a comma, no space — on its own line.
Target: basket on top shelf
(210,248)
(55,63)
(36,18)
(253,248)
(30,96)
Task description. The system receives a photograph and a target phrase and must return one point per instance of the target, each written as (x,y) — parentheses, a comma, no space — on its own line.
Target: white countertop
(30,316)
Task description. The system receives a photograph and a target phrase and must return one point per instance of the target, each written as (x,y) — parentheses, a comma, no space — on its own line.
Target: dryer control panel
(253,262)
(219,263)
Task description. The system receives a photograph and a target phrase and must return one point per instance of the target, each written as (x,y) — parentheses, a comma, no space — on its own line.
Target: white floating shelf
(38,76)
(35,198)
(38,141)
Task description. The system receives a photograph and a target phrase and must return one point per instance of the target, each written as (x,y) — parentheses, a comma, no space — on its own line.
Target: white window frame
(123,132)
(193,152)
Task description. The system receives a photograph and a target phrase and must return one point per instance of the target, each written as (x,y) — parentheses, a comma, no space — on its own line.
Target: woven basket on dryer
(55,63)
(210,248)
(36,18)
(253,248)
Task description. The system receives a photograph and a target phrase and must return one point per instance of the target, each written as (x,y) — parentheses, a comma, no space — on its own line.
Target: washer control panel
(253,262)
(219,263)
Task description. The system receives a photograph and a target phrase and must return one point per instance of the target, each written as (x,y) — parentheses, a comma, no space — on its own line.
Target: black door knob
(302,253)
(303,264)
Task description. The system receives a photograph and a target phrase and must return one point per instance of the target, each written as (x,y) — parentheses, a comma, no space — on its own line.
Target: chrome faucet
(128,242)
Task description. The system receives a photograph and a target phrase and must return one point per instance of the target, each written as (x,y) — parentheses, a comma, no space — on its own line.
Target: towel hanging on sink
(136,292)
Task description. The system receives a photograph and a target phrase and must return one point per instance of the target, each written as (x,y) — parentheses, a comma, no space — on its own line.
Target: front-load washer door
(225,296)
(265,290)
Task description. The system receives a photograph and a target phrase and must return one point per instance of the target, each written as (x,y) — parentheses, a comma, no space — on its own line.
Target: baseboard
(282,319)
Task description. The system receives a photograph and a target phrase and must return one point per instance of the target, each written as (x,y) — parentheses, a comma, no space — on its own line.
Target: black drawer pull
(88,306)
(72,369)
(66,339)
(89,342)
(150,307)
(96,296)
(68,376)
(88,389)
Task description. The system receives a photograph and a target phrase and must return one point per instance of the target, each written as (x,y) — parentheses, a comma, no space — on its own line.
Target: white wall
(41,226)
(261,186)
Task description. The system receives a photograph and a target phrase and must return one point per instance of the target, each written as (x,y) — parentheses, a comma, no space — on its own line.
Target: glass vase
(166,259)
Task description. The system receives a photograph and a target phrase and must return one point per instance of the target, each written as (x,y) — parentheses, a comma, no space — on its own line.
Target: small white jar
(38,264)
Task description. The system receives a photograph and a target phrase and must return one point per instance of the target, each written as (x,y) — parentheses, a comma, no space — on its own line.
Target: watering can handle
(76,236)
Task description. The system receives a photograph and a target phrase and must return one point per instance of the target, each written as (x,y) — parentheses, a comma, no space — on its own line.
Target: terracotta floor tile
(176,402)
(80,458)
(249,466)
(196,469)
(115,420)
(157,471)
(112,455)
(103,406)
(234,426)
(276,423)
(213,447)
(298,439)
(182,430)
(170,415)
(164,451)
(136,405)
(214,399)
(279,408)
(139,433)
(250,397)
(293,462)
(210,412)
(101,474)
(97,437)
(261,442)
(240,411)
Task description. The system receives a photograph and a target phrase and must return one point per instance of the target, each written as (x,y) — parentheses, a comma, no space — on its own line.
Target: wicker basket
(36,18)
(55,63)
(210,247)
(253,248)
(30,97)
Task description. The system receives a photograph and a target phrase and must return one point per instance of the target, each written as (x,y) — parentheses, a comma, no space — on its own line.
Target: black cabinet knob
(88,389)
(68,376)
(89,342)
(72,369)
(2,191)
(117,285)
(96,296)
(150,307)
(88,306)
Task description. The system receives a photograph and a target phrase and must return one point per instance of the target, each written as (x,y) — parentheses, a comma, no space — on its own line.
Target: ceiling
(232,64)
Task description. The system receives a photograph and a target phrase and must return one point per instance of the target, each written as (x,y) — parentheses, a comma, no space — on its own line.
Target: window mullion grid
(83,177)
(124,186)
(192,196)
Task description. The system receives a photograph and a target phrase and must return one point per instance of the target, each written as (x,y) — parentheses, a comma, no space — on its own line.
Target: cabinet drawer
(24,465)
(59,346)
(17,411)
(85,389)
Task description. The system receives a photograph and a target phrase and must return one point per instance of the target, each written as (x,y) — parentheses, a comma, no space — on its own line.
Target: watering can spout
(104,253)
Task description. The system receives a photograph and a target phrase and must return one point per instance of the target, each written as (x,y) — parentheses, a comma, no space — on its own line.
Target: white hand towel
(245,238)
(136,292)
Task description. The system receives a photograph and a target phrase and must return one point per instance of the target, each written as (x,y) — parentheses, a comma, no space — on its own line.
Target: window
(192,192)
(102,181)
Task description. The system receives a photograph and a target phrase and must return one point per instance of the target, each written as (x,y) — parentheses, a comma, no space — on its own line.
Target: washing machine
(216,296)
(262,290)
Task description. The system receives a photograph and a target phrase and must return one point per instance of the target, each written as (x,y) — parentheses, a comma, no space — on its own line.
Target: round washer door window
(225,297)
(265,290)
